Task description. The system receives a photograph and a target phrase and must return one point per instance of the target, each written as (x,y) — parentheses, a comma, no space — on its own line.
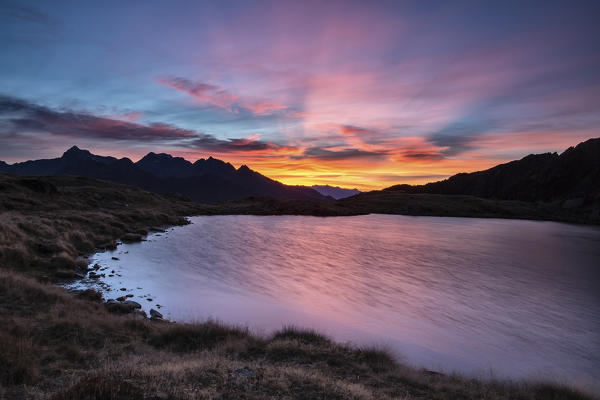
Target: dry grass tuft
(193,337)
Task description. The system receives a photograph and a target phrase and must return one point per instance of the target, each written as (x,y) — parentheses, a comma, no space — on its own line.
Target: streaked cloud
(342,154)
(217,96)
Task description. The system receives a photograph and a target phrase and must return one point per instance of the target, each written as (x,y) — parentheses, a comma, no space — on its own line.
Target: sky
(357,94)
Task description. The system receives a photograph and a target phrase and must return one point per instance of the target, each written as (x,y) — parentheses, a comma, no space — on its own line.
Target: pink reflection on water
(517,297)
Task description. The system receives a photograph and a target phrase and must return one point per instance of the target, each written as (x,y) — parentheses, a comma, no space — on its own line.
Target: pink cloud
(219,97)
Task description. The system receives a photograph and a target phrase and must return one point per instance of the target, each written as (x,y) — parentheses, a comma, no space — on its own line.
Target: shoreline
(476,373)
(62,346)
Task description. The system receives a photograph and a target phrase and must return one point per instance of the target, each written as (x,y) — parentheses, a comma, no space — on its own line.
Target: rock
(122,298)
(93,275)
(140,313)
(149,299)
(123,289)
(115,258)
(112,272)
(155,314)
(128,295)
(96,267)
(134,304)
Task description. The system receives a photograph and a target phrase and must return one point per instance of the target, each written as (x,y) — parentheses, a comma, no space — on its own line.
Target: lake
(484,297)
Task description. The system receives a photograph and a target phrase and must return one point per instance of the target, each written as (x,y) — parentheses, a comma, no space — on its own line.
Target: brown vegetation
(49,222)
(56,345)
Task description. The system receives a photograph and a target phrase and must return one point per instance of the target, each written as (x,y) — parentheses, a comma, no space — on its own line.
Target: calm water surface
(493,298)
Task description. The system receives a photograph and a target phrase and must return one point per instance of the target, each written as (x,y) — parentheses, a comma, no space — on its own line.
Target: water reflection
(518,297)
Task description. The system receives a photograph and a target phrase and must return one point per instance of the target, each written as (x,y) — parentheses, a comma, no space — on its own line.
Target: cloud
(219,97)
(209,142)
(453,144)
(333,155)
(355,130)
(20,115)
(424,155)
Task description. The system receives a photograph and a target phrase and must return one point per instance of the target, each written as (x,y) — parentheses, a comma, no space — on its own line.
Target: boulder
(134,304)
(155,314)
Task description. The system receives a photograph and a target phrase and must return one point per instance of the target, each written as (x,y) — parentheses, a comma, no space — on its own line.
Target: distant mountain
(206,180)
(574,175)
(335,191)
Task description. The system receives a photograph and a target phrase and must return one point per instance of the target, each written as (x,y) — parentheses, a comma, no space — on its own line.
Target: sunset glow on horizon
(352,94)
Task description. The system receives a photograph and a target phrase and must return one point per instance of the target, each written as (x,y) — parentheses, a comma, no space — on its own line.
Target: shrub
(304,335)
(192,337)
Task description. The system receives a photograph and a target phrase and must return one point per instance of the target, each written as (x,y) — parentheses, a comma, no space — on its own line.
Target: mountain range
(547,177)
(335,191)
(569,180)
(205,181)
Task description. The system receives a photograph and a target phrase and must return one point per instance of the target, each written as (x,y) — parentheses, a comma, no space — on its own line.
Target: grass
(62,346)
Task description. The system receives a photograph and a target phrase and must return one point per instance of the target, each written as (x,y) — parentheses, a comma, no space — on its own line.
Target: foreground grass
(49,222)
(56,345)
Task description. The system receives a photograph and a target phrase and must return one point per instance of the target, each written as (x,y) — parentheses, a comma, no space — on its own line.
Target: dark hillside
(572,176)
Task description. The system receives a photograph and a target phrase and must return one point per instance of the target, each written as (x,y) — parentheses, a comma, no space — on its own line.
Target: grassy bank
(59,346)
(56,345)
(417,204)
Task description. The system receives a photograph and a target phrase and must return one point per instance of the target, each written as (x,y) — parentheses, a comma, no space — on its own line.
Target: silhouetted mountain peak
(213,166)
(158,156)
(244,168)
(165,165)
(76,153)
(124,161)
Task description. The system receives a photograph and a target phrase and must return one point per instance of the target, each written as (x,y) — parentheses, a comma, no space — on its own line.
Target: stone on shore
(133,303)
